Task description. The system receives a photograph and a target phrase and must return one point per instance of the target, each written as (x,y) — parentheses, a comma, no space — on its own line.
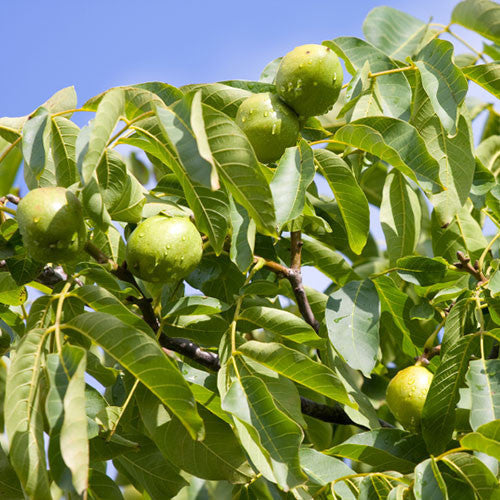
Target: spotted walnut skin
(309,79)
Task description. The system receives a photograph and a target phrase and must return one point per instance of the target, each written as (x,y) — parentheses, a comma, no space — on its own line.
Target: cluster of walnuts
(308,83)
(166,249)
(161,249)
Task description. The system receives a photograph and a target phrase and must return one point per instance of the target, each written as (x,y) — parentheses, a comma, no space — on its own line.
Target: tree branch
(210,359)
(474,270)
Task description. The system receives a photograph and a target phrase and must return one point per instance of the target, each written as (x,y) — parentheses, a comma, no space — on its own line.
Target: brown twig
(428,354)
(464,264)
(208,359)
(10,197)
(294,275)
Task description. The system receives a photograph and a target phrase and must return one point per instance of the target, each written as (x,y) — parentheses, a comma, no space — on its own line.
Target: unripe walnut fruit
(309,79)
(164,249)
(51,224)
(406,395)
(270,125)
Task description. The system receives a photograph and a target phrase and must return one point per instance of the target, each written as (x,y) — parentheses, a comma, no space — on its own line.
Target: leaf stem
(467,44)
(57,323)
(480,261)
(8,210)
(364,474)
(10,148)
(449,452)
(122,410)
(392,71)
(325,141)
(382,273)
(74,110)
(128,123)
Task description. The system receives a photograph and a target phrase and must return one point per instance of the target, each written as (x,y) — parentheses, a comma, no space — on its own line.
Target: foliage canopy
(239,381)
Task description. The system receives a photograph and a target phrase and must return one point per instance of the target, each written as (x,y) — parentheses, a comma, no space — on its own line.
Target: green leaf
(63,100)
(395,33)
(10,488)
(393,92)
(265,431)
(10,293)
(400,216)
(395,305)
(11,128)
(488,153)
(64,135)
(204,330)
(224,98)
(107,117)
(327,261)
(428,481)
(218,457)
(204,387)
(455,323)
(23,269)
(8,166)
(454,155)
(462,234)
(473,471)
(23,416)
(438,414)
(242,237)
(299,368)
(483,378)
(486,439)
(101,300)
(350,198)
(481,16)
(121,192)
(373,486)
(178,124)
(148,470)
(396,142)
(36,142)
(239,169)
(383,449)
(282,323)
(291,179)
(210,208)
(194,305)
(155,370)
(102,487)
(485,75)
(421,271)
(73,438)
(443,82)
(351,316)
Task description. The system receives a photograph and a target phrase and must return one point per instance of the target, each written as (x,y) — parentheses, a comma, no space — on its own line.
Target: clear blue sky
(94,45)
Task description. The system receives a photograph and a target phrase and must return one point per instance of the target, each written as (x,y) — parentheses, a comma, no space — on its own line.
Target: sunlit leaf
(24,418)
(443,82)
(351,317)
(438,415)
(350,198)
(151,366)
(481,16)
(396,33)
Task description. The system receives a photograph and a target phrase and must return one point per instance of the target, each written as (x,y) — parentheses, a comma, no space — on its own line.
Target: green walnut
(51,224)
(270,125)
(164,249)
(406,395)
(309,79)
